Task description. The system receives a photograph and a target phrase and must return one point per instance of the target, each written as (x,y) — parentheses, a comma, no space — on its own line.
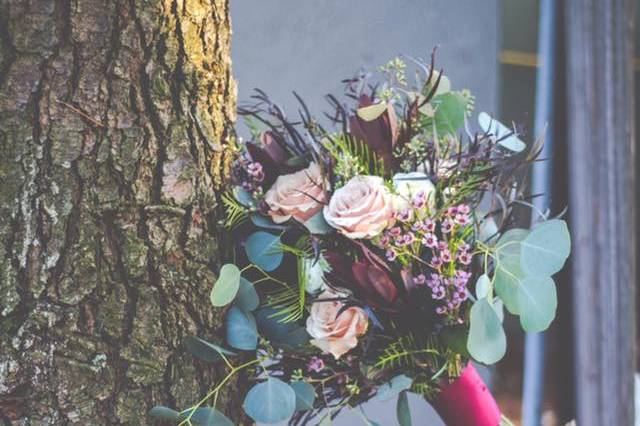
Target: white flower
(410,185)
(315,270)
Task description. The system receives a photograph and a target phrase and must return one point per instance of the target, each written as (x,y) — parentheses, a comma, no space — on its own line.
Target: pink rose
(299,195)
(361,209)
(335,330)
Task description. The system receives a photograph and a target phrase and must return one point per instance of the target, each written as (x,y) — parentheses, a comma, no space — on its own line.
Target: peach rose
(361,209)
(299,195)
(335,330)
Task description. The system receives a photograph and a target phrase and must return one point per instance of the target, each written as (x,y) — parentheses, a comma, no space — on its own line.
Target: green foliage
(263,222)
(200,416)
(546,248)
(492,126)
(538,302)
(271,401)
(353,157)
(226,286)
(508,274)
(393,387)
(206,416)
(305,395)
(206,351)
(483,285)
(264,250)
(289,301)
(164,413)
(241,329)
(450,111)
(235,212)
(402,410)
(289,335)
(404,351)
(247,298)
(487,342)
(317,224)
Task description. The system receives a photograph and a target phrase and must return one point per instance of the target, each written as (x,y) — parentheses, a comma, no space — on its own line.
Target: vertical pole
(534,356)
(602,204)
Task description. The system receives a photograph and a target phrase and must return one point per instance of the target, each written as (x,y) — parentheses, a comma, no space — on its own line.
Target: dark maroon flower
(273,148)
(271,156)
(374,283)
(379,134)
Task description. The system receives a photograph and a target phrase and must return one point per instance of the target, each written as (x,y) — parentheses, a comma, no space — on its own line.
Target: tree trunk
(115,129)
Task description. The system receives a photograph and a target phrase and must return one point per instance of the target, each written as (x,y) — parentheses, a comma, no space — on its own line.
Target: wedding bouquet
(375,251)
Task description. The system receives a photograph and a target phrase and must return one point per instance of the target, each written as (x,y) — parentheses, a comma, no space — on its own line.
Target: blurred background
(493,48)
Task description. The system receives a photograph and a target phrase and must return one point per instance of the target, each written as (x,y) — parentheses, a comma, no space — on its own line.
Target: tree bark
(115,130)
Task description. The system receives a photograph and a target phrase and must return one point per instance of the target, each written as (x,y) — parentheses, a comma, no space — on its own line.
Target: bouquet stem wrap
(467,402)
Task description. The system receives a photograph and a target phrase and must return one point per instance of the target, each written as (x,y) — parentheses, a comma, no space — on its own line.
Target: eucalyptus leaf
(492,126)
(508,273)
(317,224)
(206,351)
(498,306)
(402,410)
(282,334)
(241,330)
(164,413)
(264,250)
(546,248)
(444,86)
(366,419)
(247,298)
(483,285)
(242,196)
(226,286)
(264,222)
(271,401)
(326,420)
(206,416)
(305,395)
(371,112)
(538,303)
(451,110)
(393,387)
(487,342)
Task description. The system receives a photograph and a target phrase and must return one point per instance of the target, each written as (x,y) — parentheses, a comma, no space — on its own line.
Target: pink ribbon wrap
(467,402)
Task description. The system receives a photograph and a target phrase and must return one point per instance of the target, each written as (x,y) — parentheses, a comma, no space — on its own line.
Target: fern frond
(404,352)
(353,156)
(289,301)
(236,213)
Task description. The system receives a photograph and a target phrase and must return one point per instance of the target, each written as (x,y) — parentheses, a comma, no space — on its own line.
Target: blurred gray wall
(311,45)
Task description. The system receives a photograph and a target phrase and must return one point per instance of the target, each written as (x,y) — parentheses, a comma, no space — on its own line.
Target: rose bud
(374,283)
(379,133)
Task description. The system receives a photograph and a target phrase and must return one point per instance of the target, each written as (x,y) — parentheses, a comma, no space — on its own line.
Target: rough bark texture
(115,119)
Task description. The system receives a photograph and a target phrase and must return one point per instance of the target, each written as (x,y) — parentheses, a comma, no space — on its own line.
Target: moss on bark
(115,129)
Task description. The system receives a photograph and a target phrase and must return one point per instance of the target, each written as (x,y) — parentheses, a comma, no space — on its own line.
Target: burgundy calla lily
(375,283)
(379,134)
